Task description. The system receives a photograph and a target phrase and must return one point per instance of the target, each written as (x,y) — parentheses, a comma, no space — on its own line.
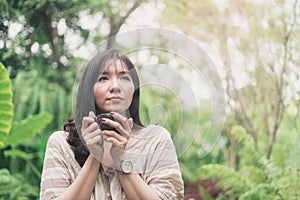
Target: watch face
(126,166)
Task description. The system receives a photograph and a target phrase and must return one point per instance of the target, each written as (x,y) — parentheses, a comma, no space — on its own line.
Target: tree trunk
(115,24)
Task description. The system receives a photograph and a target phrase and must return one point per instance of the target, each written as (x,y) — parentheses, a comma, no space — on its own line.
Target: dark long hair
(85,101)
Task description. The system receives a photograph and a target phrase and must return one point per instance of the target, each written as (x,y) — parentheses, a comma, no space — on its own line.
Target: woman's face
(114,88)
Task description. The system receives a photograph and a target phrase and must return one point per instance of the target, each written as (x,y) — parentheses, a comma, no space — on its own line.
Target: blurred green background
(255,45)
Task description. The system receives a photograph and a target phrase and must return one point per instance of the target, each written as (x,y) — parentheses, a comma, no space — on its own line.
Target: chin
(120,110)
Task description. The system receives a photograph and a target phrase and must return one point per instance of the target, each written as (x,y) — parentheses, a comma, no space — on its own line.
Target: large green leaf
(16,153)
(6,105)
(26,129)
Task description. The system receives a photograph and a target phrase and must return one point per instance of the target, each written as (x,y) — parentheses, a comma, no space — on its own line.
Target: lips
(115,98)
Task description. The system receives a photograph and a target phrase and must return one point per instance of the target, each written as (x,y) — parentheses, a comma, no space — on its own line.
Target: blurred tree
(255,47)
(48,40)
(41,30)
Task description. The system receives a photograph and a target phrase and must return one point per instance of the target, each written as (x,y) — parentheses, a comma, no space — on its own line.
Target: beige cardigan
(151,151)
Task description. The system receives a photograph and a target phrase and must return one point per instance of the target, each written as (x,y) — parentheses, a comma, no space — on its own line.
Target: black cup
(103,126)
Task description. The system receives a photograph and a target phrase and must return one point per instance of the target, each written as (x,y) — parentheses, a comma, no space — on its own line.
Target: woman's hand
(92,136)
(120,138)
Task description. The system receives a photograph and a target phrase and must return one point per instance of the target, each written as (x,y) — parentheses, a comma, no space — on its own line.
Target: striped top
(151,151)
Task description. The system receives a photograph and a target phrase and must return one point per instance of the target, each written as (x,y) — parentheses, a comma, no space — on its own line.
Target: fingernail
(112,113)
(103,120)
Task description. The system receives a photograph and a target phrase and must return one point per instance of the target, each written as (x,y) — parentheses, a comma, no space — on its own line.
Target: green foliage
(158,106)
(16,187)
(27,129)
(229,181)
(21,178)
(6,106)
(34,94)
(259,179)
(246,146)
(15,153)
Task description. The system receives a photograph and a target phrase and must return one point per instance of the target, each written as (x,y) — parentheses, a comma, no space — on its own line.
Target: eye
(102,78)
(126,77)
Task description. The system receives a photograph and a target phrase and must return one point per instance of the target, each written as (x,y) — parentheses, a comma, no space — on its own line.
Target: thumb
(130,122)
(91,114)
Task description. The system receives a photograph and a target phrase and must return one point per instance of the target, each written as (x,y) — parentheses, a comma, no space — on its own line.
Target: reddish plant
(193,191)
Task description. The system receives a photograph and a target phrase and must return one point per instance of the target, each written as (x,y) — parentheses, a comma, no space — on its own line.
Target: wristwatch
(125,167)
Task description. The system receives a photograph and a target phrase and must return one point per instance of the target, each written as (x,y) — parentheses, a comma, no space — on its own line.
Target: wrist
(94,163)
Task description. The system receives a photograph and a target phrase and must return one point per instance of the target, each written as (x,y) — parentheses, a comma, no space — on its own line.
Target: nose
(114,86)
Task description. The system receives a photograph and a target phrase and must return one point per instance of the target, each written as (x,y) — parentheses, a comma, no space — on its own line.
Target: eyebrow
(119,73)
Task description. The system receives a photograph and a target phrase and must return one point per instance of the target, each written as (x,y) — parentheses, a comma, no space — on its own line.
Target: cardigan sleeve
(57,169)
(163,172)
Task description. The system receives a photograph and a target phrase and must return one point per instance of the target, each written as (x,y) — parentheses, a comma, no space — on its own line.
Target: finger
(126,123)
(117,126)
(86,121)
(130,122)
(89,135)
(94,140)
(116,142)
(94,137)
(92,114)
(92,127)
(115,135)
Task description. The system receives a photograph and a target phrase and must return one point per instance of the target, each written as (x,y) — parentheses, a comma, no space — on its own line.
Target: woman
(129,161)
